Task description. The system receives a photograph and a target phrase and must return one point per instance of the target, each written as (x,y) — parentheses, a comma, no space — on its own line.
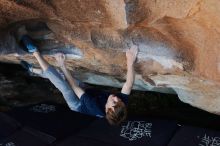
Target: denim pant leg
(64,87)
(78,82)
(43,75)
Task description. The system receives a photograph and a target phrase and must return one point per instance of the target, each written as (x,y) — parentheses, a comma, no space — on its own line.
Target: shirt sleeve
(123,97)
(90,106)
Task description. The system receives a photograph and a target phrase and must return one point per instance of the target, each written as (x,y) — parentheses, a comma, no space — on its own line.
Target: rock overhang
(178,46)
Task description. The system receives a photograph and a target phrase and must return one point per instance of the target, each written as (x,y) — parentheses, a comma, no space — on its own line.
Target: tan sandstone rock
(179,49)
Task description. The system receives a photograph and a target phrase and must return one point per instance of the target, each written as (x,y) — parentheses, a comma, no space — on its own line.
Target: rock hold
(178,42)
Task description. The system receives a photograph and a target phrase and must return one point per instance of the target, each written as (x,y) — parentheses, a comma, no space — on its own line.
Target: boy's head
(115,109)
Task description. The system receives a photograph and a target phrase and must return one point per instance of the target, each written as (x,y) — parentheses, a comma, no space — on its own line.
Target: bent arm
(78,91)
(60,58)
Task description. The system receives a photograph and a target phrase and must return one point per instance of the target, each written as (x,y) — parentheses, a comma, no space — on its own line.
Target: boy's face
(111,102)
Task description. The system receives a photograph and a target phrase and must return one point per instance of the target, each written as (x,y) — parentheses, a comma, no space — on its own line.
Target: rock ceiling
(179,42)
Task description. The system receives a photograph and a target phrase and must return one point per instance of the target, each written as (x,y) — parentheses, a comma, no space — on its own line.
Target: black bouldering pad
(8,125)
(83,141)
(193,136)
(27,137)
(53,119)
(141,132)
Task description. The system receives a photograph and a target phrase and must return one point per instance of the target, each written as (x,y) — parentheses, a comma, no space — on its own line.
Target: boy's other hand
(60,58)
(131,55)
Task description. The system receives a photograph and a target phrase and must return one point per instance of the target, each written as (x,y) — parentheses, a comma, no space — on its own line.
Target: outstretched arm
(60,60)
(131,55)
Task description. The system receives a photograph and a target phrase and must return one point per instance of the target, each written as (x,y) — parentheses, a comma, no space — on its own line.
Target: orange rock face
(178,42)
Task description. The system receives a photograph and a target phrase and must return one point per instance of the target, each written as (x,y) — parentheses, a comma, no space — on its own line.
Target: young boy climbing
(111,106)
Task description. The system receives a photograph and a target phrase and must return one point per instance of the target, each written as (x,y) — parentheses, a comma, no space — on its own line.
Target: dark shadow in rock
(42,36)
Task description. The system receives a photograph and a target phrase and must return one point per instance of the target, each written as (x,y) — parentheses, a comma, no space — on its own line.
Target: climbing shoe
(28,43)
(27,66)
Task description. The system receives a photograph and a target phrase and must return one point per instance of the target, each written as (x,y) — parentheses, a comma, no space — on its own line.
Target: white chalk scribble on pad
(136,129)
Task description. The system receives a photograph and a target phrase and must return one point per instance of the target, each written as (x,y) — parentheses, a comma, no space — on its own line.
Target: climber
(111,106)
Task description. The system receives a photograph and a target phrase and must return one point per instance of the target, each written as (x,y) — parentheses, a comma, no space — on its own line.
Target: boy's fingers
(63,56)
(133,49)
(56,57)
(59,56)
(136,52)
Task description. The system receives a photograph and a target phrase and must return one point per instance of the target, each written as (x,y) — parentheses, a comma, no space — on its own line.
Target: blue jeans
(61,84)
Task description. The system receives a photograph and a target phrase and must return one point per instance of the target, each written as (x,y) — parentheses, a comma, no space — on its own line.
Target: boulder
(178,42)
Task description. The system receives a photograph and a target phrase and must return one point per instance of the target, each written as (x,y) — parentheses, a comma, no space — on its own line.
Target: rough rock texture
(178,42)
